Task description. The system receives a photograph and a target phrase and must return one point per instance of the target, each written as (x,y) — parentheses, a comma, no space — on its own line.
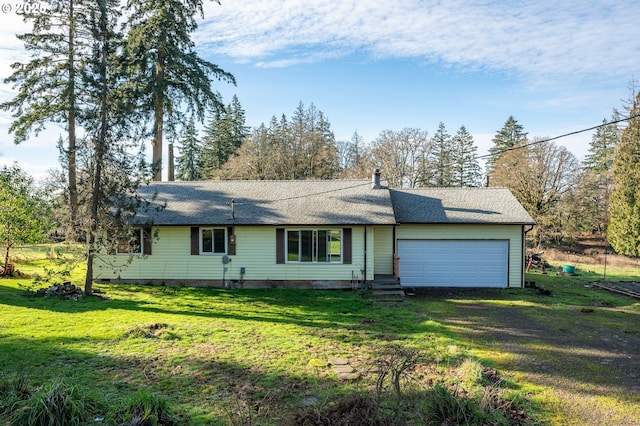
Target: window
(314,246)
(213,240)
(135,242)
(132,244)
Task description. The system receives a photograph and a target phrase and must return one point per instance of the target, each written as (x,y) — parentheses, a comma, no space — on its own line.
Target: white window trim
(330,262)
(212,228)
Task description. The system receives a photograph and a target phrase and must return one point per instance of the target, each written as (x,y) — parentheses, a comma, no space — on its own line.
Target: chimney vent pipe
(375,179)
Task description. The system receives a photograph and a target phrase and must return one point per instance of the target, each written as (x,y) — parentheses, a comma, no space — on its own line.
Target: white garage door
(453,263)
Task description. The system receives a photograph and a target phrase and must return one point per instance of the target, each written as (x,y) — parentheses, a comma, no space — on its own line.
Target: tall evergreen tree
(511,134)
(239,130)
(624,226)
(188,162)
(223,135)
(591,197)
(214,152)
(169,75)
(278,139)
(441,161)
(465,170)
(49,84)
(603,146)
(113,170)
(101,129)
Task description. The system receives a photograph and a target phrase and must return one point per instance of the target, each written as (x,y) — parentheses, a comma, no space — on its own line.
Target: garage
(454,263)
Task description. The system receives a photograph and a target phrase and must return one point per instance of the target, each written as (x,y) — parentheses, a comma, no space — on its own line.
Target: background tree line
(304,147)
(566,197)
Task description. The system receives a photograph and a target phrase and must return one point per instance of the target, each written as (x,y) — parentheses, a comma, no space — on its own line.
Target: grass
(211,356)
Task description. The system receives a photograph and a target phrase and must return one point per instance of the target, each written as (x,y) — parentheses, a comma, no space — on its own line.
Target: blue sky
(374,65)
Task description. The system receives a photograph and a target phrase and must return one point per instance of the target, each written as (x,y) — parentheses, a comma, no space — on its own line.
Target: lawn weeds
(54,404)
(146,408)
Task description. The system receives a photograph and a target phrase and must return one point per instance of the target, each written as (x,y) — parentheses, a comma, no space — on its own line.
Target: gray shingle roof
(458,205)
(325,202)
(320,202)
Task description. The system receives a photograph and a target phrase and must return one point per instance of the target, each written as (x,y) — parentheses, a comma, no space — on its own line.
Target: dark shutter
(279,245)
(346,246)
(231,247)
(195,240)
(146,240)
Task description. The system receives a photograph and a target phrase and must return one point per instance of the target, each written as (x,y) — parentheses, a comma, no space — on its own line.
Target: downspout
(395,253)
(364,278)
(524,253)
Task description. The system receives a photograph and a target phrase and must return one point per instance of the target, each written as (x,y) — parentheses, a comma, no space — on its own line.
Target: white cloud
(536,39)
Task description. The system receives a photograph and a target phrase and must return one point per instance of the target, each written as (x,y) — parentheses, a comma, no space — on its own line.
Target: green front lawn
(207,350)
(268,356)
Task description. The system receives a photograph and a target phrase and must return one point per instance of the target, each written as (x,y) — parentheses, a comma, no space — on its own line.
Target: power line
(320,193)
(232,202)
(558,137)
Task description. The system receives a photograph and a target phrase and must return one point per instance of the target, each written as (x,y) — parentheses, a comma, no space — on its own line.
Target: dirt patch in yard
(583,357)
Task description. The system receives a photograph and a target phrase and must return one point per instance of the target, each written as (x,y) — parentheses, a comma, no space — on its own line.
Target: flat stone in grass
(349,376)
(343,369)
(339,361)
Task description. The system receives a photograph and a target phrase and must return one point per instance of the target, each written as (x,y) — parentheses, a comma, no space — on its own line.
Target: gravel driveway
(585,356)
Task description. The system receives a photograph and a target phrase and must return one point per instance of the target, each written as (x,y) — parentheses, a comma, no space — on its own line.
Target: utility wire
(558,137)
(232,202)
(320,193)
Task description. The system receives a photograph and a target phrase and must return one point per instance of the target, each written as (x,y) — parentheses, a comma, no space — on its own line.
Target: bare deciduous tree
(403,156)
(538,175)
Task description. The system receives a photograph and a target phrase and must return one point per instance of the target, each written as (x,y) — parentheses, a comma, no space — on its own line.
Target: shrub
(54,404)
(394,362)
(447,407)
(13,391)
(147,409)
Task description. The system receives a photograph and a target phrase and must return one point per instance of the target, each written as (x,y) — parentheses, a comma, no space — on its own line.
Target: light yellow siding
(383,250)
(171,259)
(513,233)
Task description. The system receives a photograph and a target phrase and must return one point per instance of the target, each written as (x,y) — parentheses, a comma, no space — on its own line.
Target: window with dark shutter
(280,245)
(195,241)
(346,246)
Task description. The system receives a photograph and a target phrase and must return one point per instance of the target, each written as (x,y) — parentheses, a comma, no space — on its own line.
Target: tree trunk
(71,155)
(6,259)
(158,116)
(100,147)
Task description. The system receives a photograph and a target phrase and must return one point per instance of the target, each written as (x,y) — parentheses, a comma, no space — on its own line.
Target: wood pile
(65,291)
(536,261)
